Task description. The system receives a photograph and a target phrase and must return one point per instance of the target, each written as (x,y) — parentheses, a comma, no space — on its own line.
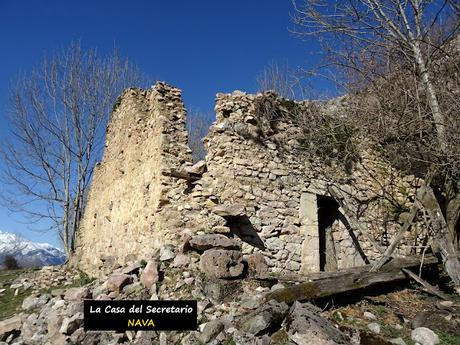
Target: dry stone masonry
(257,206)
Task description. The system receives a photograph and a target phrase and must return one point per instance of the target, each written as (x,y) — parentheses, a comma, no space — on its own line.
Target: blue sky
(202,47)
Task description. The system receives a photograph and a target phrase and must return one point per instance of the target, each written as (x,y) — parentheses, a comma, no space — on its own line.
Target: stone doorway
(329,242)
(328,216)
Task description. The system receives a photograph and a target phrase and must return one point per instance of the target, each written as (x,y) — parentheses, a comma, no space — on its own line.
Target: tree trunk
(438,117)
(453,210)
(441,236)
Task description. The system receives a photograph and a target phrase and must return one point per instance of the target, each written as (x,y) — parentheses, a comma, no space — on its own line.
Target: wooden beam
(348,280)
(426,286)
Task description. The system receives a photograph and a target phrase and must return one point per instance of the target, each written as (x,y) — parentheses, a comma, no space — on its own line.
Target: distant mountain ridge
(28,253)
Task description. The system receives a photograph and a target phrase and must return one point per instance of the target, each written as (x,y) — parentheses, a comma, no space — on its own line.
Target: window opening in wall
(242,227)
(328,214)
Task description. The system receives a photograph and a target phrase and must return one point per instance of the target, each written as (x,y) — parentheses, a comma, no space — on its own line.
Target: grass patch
(11,304)
(448,339)
(8,301)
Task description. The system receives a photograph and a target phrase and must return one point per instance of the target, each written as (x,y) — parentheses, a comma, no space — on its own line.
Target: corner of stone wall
(127,212)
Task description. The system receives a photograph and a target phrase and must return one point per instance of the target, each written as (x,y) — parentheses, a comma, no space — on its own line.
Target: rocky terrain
(229,311)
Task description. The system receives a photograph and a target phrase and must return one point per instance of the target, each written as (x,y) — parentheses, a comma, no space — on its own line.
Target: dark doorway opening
(328,213)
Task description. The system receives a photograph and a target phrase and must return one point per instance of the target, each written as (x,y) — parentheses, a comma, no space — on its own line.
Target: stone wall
(130,196)
(257,205)
(282,192)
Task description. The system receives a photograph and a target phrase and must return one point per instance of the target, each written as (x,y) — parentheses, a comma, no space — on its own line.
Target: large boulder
(305,326)
(208,241)
(268,316)
(218,263)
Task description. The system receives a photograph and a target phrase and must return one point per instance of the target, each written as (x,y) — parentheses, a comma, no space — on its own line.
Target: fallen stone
(117,282)
(266,317)
(70,325)
(9,326)
(424,336)
(305,326)
(208,241)
(77,294)
(218,263)
(374,327)
(211,330)
(149,275)
(229,210)
(369,315)
(78,336)
(131,268)
(132,288)
(257,266)
(166,254)
(221,290)
(197,169)
(31,302)
(181,260)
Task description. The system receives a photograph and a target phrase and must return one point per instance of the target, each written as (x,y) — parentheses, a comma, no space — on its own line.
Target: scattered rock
(424,336)
(166,254)
(181,260)
(221,290)
(211,330)
(116,282)
(70,325)
(77,294)
(305,326)
(369,316)
(374,327)
(257,266)
(149,275)
(9,326)
(266,317)
(218,263)
(31,302)
(131,268)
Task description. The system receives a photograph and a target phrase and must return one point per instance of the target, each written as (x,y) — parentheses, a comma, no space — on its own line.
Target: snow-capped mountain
(28,253)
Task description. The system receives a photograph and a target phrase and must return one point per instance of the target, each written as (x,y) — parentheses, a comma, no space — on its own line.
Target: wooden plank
(348,280)
(427,287)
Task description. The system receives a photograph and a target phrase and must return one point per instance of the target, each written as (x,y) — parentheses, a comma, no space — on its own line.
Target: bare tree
(372,44)
(283,80)
(198,124)
(58,116)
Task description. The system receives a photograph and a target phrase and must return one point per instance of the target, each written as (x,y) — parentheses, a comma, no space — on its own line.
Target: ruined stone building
(252,206)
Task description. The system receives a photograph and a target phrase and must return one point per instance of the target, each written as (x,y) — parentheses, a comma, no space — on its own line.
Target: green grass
(10,304)
(8,301)
(448,339)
